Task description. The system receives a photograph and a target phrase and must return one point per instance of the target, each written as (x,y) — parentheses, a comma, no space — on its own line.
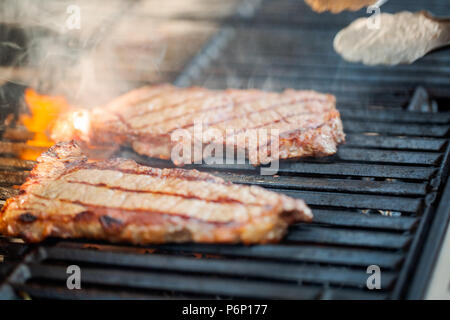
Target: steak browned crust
(146,118)
(121,201)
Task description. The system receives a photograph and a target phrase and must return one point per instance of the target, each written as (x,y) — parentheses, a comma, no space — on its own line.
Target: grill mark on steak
(301,100)
(66,209)
(138,102)
(260,126)
(181,103)
(102,196)
(111,224)
(144,216)
(255,127)
(222,200)
(200,112)
(156,91)
(249,98)
(162,106)
(175,172)
(297,102)
(126,216)
(267,124)
(305,131)
(27,217)
(170,130)
(235,94)
(122,120)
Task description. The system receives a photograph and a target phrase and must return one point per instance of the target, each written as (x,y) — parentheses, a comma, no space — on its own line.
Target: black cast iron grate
(374,202)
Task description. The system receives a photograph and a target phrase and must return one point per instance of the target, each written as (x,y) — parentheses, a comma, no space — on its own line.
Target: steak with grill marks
(308,123)
(121,201)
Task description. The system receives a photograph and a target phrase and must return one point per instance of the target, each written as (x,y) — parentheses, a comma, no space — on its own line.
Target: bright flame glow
(81,121)
(72,125)
(44,111)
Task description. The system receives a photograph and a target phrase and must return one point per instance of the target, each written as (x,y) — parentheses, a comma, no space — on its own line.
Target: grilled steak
(119,200)
(308,123)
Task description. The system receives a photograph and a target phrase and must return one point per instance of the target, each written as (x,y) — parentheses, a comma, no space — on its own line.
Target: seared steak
(146,119)
(119,200)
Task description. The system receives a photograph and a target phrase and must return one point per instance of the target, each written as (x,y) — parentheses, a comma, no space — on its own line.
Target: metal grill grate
(373,202)
(286,45)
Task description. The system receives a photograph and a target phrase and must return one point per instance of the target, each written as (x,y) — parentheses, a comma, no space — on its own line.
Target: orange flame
(53,120)
(44,111)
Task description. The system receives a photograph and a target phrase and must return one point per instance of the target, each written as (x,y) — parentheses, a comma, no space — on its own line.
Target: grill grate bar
(301,167)
(383,97)
(289,42)
(12,251)
(350,294)
(358,170)
(357,219)
(6,193)
(285,61)
(193,284)
(368,141)
(284,70)
(48,291)
(338,87)
(344,185)
(357,201)
(305,253)
(14,163)
(345,93)
(315,234)
(235,268)
(381,114)
(396,129)
(291,73)
(404,157)
(8,178)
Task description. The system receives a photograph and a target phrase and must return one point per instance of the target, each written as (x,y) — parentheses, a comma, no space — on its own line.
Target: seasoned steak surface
(146,119)
(119,200)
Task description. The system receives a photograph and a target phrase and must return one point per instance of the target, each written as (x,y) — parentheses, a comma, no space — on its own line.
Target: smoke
(75,48)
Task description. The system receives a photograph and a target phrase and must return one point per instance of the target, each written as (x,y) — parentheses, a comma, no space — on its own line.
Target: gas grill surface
(379,201)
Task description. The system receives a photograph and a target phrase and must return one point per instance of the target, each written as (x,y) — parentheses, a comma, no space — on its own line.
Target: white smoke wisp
(71,48)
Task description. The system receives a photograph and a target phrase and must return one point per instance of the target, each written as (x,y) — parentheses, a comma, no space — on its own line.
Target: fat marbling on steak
(121,201)
(308,122)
